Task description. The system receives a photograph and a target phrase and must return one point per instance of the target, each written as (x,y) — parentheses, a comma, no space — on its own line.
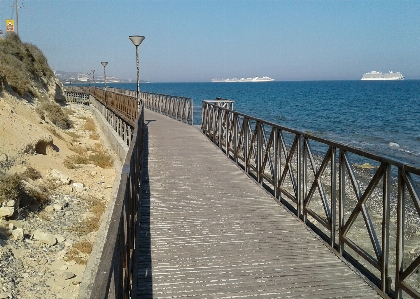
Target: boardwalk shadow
(144,286)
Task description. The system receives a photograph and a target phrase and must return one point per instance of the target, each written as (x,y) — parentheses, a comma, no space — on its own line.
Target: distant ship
(255,79)
(373,75)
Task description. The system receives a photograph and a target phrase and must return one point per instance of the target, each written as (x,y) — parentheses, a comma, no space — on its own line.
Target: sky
(197,40)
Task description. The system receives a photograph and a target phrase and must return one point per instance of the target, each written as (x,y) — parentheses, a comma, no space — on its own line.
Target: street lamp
(104,64)
(93,77)
(137,39)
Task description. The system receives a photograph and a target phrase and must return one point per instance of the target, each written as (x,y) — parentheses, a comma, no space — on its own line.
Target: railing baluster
(252,147)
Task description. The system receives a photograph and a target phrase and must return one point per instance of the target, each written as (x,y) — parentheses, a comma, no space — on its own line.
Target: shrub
(10,187)
(22,65)
(101,159)
(89,125)
(32,173)
(55,114)
(71,161)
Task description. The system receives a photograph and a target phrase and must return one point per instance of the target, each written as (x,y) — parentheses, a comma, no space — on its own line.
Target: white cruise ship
(374,75)
(255,79)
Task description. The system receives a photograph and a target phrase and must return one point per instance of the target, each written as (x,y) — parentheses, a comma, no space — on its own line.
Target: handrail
(123,102)
(179,108)
(319,180)
(114,275)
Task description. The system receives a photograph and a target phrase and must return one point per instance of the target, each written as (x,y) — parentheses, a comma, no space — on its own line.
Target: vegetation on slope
(23,67)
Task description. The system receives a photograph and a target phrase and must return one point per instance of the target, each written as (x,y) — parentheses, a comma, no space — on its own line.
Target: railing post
(258,127)
(227,132)
(385,283)
(246,143)
(299,176)
(333,197)
(341,197)
(277,155)
(235,137)
(399,267)
(304,177)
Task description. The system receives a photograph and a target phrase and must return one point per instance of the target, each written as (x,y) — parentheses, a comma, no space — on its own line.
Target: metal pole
(138,75)
(137,40)
(17,17)
(104,78)
(93,78)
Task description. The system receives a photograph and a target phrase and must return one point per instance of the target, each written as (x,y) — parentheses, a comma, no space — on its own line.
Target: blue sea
(382,117)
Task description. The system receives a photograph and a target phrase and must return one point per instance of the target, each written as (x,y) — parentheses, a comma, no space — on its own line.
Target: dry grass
(32,173)
(27,197)
(79,252)
(22,65)
(72,162)
(83,246)
(10,187)
(73,135)
(89,124)
(55,114)
(53,131)
(99,157)
(91,224)
(74,255)
(80,150)
(94,136)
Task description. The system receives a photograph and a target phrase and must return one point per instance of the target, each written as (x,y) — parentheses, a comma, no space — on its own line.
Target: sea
(381,117)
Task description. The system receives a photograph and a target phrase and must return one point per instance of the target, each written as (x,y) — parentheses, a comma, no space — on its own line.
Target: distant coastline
(255,79)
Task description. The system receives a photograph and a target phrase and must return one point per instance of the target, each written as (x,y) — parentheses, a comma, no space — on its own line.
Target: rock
(49,209)
(11,203)
(60,238)
(59,177)
(5,295)
(42,261)
(57,207)
(68,275)
(6,211)
(79,187)
(11,226)
(18,234)
(43,237)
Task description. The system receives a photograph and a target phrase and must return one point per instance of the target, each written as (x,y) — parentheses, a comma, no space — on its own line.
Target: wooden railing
(179,108)
(366,207)
(114,276)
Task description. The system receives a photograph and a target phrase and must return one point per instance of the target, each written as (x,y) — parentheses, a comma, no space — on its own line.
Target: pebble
(68,275)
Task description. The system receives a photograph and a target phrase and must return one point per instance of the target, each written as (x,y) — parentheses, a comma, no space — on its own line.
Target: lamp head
(136,39)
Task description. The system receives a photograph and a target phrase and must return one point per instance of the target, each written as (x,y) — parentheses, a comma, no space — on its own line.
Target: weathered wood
(208,231)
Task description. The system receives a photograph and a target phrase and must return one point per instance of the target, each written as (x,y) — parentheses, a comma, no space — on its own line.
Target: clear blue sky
(197,40)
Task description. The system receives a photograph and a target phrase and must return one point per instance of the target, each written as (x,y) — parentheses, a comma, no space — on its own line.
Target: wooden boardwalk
(209,231)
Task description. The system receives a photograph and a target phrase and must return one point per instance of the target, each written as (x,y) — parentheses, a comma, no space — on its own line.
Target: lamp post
(104,64)
(93,77)
(137,39)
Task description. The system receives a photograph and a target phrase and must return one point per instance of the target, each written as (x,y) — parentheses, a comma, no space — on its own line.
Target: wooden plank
(208,231)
